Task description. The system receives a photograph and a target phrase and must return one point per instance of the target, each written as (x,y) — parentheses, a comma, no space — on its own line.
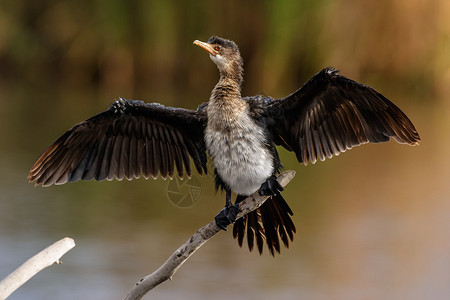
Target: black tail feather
(250,234)
(238,230)
(272,222)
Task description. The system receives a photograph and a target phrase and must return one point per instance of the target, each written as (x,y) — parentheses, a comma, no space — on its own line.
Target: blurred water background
(372,223)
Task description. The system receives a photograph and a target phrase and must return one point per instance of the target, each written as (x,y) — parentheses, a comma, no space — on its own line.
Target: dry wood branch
(37,263)
(168,269)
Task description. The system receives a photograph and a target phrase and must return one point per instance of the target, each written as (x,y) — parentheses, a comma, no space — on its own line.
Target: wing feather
(128,140)
(331,114)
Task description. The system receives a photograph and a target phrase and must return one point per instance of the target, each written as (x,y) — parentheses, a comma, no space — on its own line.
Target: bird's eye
(217,48)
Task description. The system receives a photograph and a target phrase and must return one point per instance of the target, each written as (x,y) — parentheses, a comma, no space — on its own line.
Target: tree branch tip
(69,241)
(47,257)
(286,175)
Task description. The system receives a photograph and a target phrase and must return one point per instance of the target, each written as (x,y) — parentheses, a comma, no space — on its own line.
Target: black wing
(331,114)
(129,139)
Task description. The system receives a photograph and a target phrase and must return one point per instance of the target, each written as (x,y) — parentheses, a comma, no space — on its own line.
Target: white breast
(239,154)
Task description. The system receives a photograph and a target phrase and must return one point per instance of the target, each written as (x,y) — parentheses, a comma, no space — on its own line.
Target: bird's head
(225,54)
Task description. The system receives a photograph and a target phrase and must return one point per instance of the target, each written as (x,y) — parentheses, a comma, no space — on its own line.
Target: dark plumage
(128,140)
(326,116)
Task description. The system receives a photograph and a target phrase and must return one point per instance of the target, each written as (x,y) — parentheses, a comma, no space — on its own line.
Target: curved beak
(206,47)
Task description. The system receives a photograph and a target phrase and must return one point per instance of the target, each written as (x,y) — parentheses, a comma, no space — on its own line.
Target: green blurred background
(372,223)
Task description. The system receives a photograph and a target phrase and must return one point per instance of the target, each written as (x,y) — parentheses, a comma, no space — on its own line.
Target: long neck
(226,105)
(229,85)
(227,90)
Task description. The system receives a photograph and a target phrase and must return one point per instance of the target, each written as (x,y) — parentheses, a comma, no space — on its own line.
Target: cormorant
(326,116)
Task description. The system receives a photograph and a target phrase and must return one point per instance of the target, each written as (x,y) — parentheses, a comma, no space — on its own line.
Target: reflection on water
(372,223)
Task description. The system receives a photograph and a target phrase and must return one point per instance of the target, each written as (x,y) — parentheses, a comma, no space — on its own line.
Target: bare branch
(168,269)
(34,265)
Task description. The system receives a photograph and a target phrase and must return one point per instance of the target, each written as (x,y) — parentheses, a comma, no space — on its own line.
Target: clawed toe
(270,187)
(227,216)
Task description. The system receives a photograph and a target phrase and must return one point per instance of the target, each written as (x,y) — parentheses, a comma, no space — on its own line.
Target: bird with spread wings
(328,115)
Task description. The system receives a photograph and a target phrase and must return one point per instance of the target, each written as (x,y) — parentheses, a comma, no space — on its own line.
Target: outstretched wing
(128,140)
(331,114)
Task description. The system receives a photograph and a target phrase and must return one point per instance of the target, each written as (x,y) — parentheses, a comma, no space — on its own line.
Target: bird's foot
(270,187)
(227,216)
